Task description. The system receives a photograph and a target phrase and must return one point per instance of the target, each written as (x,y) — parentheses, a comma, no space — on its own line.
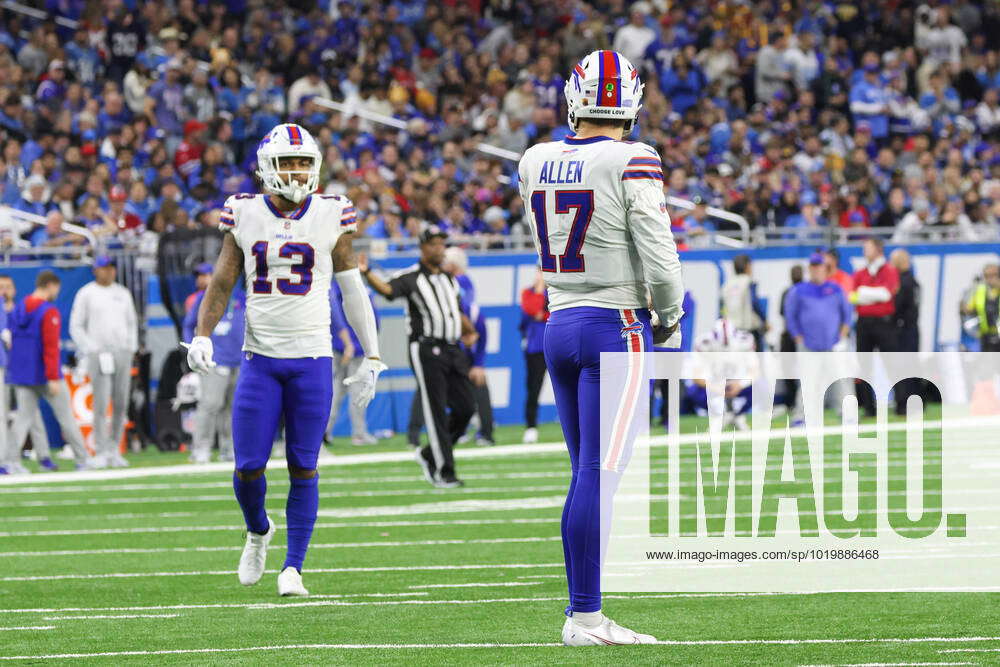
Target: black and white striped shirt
(434,309)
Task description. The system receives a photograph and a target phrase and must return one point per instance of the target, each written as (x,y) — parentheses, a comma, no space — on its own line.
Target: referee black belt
(436,341)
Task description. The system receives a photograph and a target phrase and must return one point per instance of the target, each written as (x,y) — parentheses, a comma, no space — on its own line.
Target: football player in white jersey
(290,243)
(735,403)
(600,225)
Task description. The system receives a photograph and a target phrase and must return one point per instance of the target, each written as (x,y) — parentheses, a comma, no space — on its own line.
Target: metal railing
(382,119)
(841,236)
(722,214)
(14,224)
(38,14)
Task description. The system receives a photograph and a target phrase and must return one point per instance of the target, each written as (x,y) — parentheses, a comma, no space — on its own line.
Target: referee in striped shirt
(435,323)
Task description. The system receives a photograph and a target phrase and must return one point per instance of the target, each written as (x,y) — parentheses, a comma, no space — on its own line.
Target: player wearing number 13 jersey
(290,244)
(600,224)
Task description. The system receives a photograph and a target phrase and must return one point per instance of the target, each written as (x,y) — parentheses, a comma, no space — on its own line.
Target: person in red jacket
(875,288)
(35,372)
(189,152)
(535,306)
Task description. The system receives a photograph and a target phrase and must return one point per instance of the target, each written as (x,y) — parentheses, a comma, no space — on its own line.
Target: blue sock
(250,496)
(300,515)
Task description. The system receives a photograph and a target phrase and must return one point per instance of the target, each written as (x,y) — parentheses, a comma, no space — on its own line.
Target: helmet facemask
(270,173)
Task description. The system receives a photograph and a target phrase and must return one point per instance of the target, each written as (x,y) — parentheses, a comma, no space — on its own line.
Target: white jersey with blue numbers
(288,264)
(600,225)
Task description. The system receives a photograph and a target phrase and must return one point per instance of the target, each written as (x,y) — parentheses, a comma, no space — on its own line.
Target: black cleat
(427,464)
(450,482)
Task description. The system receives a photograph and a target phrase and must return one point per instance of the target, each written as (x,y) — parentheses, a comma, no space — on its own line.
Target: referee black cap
(432,232)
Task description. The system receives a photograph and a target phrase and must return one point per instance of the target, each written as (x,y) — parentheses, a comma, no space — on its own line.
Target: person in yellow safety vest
(985,305)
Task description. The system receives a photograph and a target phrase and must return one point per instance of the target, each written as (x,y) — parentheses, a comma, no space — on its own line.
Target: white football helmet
(604,85)
(288,140)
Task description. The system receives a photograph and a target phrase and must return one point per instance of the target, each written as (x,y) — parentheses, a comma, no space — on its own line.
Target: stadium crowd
(145,116)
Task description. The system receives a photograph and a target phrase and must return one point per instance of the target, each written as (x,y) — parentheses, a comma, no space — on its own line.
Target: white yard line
(481,584)
(321,603)
(366,595)
(886,664)
(461,454)
(531,600)
(970,650)
(107,616)
(328,570)
(384,493)
(420,508)
(29,627)
(292,647)
(237,547)
(275,481)
(274,464)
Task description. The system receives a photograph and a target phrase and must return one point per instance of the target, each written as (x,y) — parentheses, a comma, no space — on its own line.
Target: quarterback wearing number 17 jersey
(599,221)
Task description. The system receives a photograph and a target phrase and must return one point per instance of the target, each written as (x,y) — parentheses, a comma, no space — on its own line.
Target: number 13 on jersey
(581,203)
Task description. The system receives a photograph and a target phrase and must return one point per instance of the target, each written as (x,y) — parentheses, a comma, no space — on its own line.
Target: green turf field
(141,570)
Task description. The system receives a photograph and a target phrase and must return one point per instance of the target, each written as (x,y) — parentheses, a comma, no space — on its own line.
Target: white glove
(200,353)
(367,375)
(840,346)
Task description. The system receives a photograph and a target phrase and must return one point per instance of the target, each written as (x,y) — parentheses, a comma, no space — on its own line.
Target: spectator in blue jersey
(817,311)
(346,361)
(52,234)
(870,102)
(51,90)
(682,83)
(941,102)
(548,84)
(165,103)
(456,263)
(35,196)
(215,401)
(535,313)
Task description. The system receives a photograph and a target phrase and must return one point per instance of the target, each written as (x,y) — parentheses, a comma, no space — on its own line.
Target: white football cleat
(17,468)
(530,435)
(607,633)
(254,555)
(741,423)
(199,457)
(290,583)
(98,462)
(116,460)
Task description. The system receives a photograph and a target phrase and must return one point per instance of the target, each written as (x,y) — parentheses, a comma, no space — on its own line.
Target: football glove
(200,353)
(367,376)
(662,334)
